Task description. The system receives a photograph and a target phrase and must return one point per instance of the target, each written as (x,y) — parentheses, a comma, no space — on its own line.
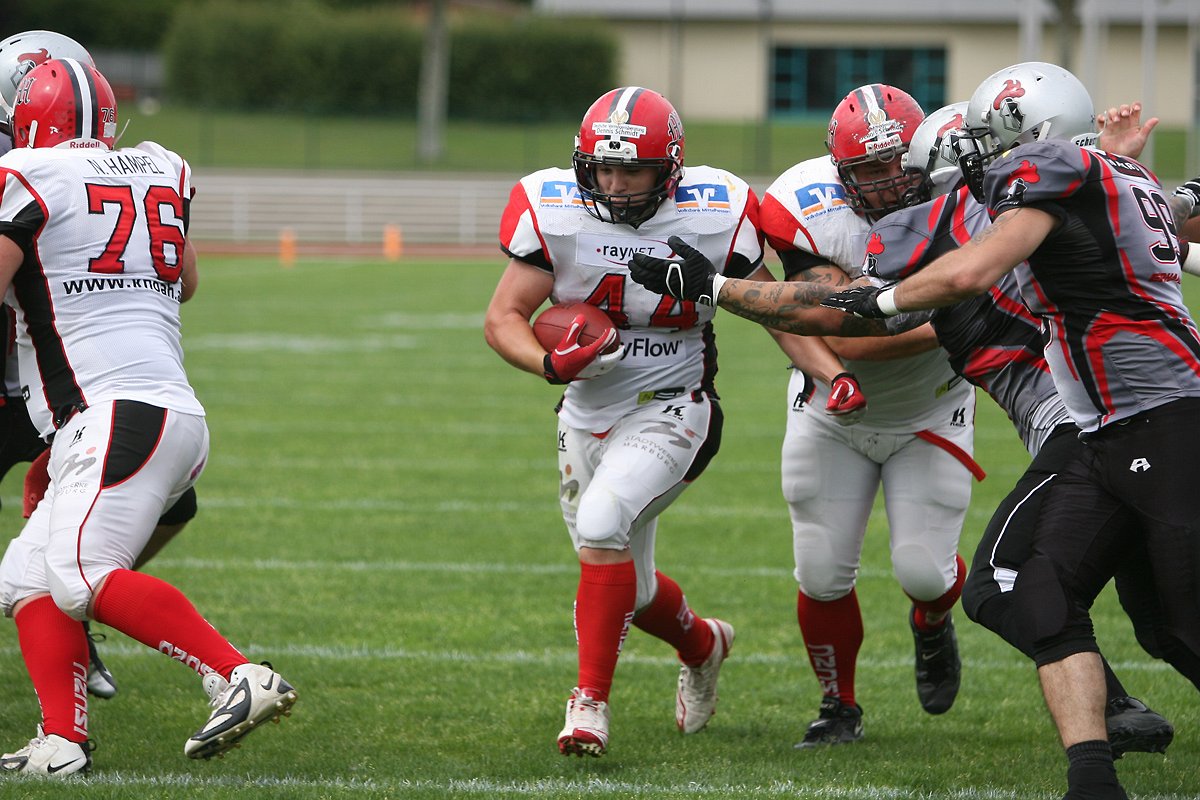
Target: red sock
(56,654)
(833,633)
(942,604)
(158,615)
(669,618)
(603,608)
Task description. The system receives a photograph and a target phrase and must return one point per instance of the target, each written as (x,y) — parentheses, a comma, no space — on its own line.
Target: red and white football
(552,324)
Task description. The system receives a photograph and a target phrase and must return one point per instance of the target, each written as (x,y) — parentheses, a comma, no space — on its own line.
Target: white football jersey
(669,345)
(806,209)
(97,297)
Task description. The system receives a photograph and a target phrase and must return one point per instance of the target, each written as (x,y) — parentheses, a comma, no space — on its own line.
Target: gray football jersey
(1106,282)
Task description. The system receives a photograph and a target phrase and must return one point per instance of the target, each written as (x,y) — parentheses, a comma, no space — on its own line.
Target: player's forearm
(792,307)
(809,354)
(512,338)
(902,345)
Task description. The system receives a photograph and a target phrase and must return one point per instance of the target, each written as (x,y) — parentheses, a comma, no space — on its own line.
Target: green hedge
(529,70)
(302,57)
(96,24)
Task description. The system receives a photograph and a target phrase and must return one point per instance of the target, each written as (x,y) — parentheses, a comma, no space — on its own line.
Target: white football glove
(604,362)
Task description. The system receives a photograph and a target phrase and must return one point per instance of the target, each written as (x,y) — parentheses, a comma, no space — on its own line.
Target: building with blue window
(750,60)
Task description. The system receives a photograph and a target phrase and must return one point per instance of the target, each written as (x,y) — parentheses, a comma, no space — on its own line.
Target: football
(552,324)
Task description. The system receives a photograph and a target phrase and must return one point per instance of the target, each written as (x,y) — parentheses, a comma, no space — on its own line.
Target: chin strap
(124,128)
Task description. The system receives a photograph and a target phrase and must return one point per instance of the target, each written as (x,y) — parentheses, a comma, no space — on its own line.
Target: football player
(102,360)
(915,438)
(19,440)
(1103,262)
(636,426)
(997,345)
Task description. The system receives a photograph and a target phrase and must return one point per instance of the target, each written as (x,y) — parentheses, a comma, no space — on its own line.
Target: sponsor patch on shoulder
(702,197)
(559,194)
(815,199)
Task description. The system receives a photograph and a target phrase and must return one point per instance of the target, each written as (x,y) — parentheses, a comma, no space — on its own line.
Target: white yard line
(591,787)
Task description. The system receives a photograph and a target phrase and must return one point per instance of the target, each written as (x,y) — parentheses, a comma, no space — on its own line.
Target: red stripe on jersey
(986,361)
(1112,199)
(1108,325)
(749,214)
(1012,306)
(781,228)
(518,205)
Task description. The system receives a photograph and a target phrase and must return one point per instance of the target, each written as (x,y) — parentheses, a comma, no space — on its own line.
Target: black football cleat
(1133,728)
(837,723)
(938,667)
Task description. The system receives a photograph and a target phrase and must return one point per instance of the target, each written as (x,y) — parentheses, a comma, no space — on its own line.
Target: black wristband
(549,374)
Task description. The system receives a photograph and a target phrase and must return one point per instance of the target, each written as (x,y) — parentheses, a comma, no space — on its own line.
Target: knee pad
(1048,617)
(1039,599)
(599,521)
(72,595)
(918,572)
(978,589)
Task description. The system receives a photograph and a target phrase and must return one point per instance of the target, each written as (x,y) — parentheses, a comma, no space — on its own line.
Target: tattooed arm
(794,307)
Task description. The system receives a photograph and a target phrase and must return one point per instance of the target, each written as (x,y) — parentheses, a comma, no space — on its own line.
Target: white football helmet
(1029,102)
(933,152)
(22,52)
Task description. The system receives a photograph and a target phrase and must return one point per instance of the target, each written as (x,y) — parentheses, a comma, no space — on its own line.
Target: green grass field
(281,141)
(378,519)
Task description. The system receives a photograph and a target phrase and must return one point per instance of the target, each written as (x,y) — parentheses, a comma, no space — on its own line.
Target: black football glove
(1190,192)
(861,301)
(689,279)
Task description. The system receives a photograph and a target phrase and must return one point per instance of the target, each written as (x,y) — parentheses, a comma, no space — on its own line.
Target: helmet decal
(956,122)
(1011,88)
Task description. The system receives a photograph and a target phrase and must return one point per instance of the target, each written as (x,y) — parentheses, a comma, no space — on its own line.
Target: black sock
(1091,774)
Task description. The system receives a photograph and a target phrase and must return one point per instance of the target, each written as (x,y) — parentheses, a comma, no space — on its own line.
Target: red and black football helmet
(630,126)
(873,125)
(62,100)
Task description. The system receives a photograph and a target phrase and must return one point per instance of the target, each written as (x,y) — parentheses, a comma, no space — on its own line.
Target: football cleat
(586,728)
(938,666)
(100,682)
(255,693)
(837,723)
(696,699)
(49,755)
(1133,728)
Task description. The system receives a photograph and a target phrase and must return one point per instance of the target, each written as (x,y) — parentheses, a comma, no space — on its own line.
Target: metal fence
(248,207)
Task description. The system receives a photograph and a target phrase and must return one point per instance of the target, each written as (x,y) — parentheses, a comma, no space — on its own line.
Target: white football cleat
(214,685)
(696,700)
(586,728)
(255,693)
(50,755)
